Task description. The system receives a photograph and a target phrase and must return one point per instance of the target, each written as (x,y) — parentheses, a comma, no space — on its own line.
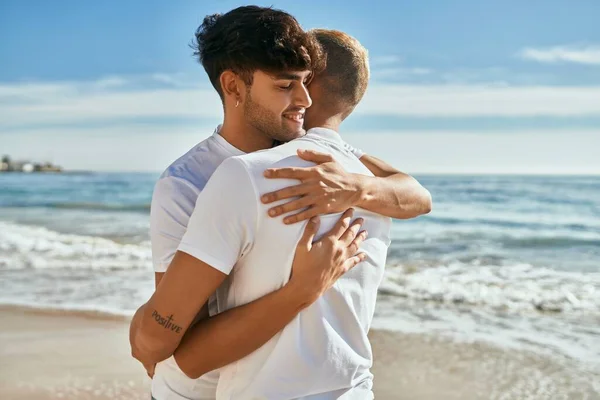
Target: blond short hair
(347,69)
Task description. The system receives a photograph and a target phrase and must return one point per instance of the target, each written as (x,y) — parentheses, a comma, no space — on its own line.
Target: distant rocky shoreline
(8,165)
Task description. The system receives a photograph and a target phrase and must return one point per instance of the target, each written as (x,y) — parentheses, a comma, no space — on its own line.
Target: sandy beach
(54,355)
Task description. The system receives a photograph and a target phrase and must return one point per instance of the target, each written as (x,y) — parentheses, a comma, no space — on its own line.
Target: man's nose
(301,97)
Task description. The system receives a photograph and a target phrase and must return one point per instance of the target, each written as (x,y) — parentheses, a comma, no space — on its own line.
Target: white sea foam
(31,247)
(512,303)
(515,288)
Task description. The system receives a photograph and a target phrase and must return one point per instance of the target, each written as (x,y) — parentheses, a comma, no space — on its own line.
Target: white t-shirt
(173,202)
(324,353)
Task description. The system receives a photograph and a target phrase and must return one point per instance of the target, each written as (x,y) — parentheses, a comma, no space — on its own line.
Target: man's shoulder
(287,154)
(195,166)
(258,159)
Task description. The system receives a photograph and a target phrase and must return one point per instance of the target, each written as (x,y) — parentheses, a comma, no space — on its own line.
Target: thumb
(310,231)
(314,156)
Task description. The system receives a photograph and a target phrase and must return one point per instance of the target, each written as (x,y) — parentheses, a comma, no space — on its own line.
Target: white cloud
(574,54)
(31,107)
(420,71)
(24,105)
(27,104)
(106,106)
(110,82)
(480,100)
(177,79)
(531,151)
(388,67)
(33,90)
(384,60)
(473,152)
(399,72)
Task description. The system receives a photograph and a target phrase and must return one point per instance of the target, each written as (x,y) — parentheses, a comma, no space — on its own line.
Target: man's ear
(231,86)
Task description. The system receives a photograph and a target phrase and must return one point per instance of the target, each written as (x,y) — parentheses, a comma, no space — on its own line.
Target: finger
(301,216)
(355,245)
(351,233)
(354,261)
(286,193)
(293,205)
(288,173)
(309,233)
(314,156)
(341,225)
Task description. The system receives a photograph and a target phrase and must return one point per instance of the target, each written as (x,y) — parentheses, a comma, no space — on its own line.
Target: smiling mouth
(296,117)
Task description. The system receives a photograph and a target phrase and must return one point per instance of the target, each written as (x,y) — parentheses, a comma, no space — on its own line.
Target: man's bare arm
(148,363)
(327,188)
(202,314)
(160,324)
(157,277)
(233,334)
(220,340)
(391,192)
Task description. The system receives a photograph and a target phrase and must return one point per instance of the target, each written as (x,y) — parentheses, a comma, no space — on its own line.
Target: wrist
(297,296)
(362,189)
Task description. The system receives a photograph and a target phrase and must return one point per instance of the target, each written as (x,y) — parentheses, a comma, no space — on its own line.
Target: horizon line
(448,173)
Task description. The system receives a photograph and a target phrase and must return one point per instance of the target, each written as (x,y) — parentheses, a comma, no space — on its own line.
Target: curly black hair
(251,38)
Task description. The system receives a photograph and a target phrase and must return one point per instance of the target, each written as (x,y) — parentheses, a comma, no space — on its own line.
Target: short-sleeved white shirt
(173,202)
(324,353)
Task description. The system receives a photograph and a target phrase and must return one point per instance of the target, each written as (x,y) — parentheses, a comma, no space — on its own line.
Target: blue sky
(461,86)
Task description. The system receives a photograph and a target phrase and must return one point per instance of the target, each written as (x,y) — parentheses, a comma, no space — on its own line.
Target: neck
(243,136)
(329,122)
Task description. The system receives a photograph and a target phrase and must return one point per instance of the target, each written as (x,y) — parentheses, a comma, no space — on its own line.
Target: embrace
(270,237)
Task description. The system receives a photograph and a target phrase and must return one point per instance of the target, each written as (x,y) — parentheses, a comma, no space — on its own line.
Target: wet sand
(57,355)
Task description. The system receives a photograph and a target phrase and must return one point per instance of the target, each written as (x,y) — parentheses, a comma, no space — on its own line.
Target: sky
(464,86)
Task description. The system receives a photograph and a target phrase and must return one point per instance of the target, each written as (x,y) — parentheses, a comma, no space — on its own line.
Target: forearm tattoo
(166,322)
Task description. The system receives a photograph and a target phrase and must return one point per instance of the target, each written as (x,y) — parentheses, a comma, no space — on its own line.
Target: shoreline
(81,355)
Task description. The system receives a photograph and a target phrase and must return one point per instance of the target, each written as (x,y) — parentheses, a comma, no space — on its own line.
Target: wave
(549,241)
(445,241)
(517,288)
(511,222)
(31,247)
(485,281)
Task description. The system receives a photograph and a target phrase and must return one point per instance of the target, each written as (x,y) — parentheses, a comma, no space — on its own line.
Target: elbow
(192,373)
(423,201)
(419,204)
(426,202)
(191,370)
(147,349)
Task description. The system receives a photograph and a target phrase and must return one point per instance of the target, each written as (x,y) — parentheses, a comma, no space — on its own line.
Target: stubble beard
(267,122)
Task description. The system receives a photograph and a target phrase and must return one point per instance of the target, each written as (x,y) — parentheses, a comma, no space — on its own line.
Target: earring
(237,103)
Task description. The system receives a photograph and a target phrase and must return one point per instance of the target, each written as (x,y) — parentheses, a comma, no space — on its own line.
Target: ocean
(511,260)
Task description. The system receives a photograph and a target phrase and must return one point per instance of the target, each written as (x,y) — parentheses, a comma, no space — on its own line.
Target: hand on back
(318,265)
(325,188)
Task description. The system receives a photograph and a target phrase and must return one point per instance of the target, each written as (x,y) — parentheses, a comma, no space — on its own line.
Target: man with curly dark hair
(259,59)
(260,62)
